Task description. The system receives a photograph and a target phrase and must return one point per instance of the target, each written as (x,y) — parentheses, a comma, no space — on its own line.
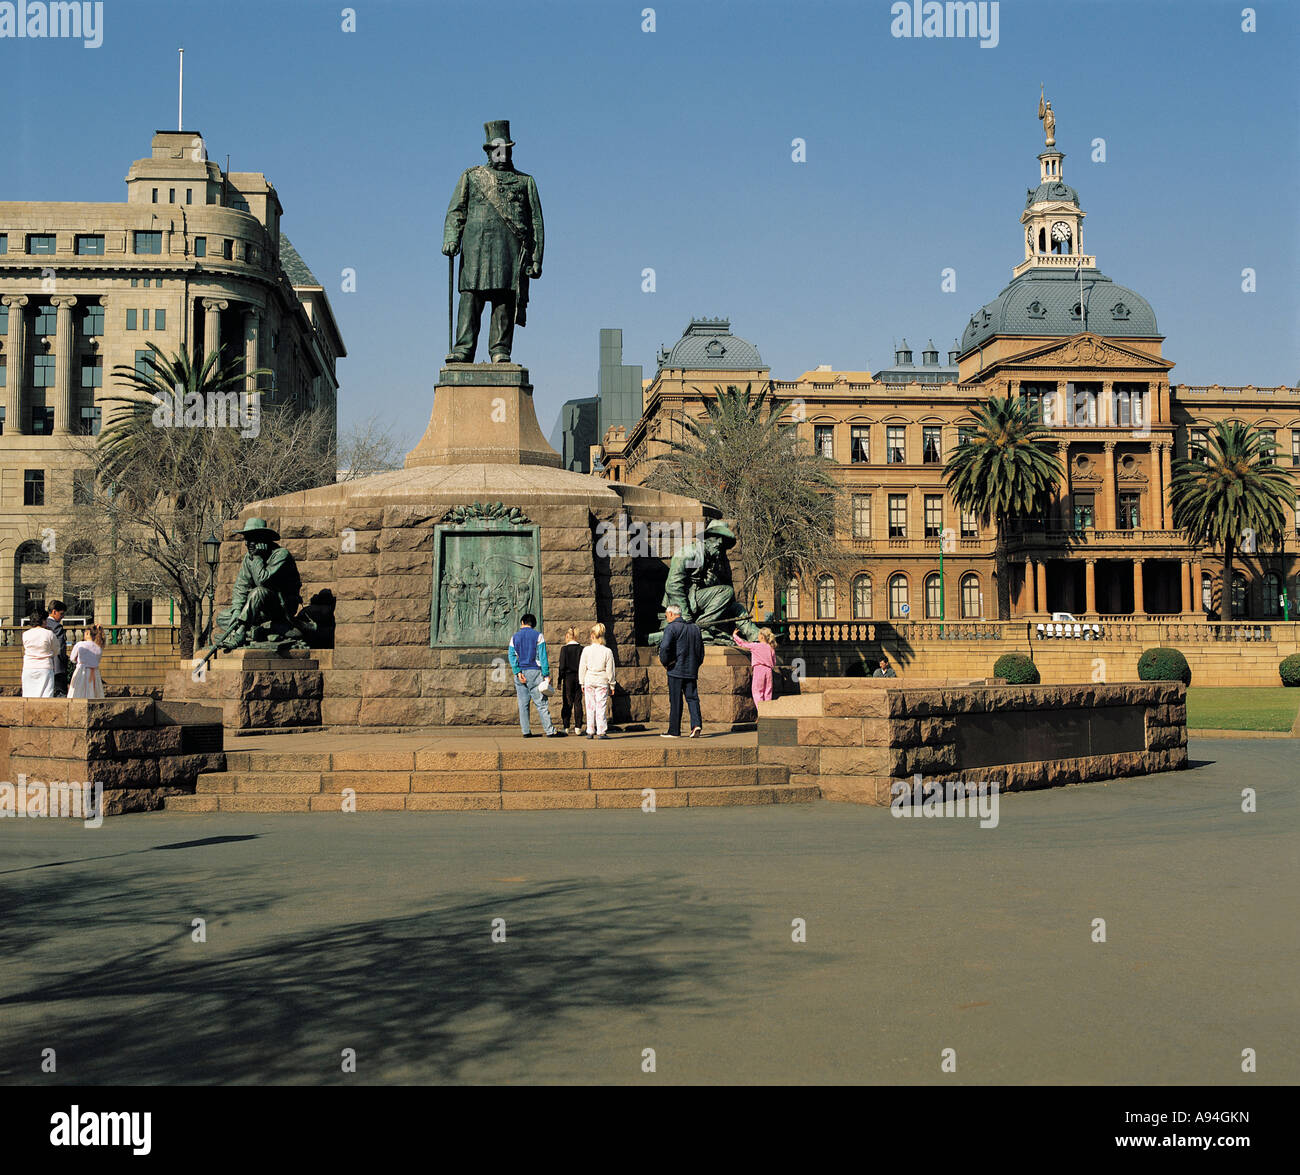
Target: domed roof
(709,343)
(1052,190)
(1042,302)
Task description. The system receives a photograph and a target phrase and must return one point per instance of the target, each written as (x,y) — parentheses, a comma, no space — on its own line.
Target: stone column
(1196,587)
(1106,507)
(1106,415)
(63,346)
(1157,481)
(1090,586)
(252,337)
(1167,475)
(212,308)
(1185,580)
(1063,491)
(1042,585)
(17,348)
(1139,606)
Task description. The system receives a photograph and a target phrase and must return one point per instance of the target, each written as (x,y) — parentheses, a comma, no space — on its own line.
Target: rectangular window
(33,487)
(228,250)
(895,444)
(47,320)
(160,320)
(139,610)
(1128,404)
(40,243)
(1268,445)
(1130,512)
(2,416)
(4,242)
(1083,512)
(860,445)
(92,371)
(130,319)
(4,371)
(1081,406)
(1295,446)
(143,366)
(171,195)
(824,440)
(898,516)
(144,320)
(91,420)
(157,283)
(135,281)
(933,515)
(90,245)
(1198,441)
(200,246)
(4,320)
(83,487)
(147,242)
(970,527)
(861,516)
(1038,396)
(92,322)
(189,195)
(155,195)
(42,421)
(930,444)
(43,371)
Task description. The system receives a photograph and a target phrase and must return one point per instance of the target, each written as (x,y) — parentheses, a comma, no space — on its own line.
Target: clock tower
(1053,221)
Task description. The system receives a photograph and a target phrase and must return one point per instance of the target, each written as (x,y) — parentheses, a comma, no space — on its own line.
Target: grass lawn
(1247,708)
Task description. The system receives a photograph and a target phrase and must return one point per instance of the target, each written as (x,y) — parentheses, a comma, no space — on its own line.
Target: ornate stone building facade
(1086,352)
(193,259)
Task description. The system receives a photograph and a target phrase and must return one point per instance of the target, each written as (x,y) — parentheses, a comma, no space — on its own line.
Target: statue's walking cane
(451,281)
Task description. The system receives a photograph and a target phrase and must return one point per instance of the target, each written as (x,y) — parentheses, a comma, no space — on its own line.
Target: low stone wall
(141,667)
(855,738)
(138,749)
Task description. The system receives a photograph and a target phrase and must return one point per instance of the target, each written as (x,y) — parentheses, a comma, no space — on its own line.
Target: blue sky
(672,150)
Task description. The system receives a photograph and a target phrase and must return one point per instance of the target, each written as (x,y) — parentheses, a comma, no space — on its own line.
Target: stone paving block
(365,781)
(455,781)
(729,797)
(453,760)
(285,803)
(664,798)
(549,780)
(527,801)
(607,778)
(453,802)
(373,761)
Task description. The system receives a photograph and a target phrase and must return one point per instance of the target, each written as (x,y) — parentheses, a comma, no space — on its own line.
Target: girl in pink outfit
(762,653)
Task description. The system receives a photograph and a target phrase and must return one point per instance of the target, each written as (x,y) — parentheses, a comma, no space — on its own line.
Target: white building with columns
(193,259)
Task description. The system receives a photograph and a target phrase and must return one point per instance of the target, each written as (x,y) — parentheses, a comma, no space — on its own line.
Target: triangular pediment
(1087,351)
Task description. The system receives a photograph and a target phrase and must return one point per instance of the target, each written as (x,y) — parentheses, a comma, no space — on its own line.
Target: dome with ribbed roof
(1044,301)
(1051,190)
(707,343)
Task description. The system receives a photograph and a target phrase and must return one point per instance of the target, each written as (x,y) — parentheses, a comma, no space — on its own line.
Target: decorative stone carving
(480,511)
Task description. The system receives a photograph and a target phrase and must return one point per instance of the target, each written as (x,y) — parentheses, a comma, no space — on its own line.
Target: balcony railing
(160,636)
(1090,536)
(1125,629)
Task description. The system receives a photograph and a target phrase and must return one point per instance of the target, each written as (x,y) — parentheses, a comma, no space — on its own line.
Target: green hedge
(1290,669)
(1017,669)
(1160,664)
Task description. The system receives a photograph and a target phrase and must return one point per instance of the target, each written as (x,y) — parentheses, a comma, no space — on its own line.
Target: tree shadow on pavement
(420,996)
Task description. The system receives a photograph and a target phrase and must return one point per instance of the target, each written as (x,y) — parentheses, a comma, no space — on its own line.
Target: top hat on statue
(497,134)
(256,528)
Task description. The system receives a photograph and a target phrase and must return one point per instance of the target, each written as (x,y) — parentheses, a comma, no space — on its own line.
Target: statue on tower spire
(1047,117)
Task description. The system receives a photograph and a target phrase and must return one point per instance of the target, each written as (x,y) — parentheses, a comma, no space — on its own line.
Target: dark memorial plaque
(991,739)
(486,575)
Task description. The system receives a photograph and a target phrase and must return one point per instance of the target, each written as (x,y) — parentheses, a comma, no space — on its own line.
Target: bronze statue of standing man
(494,222)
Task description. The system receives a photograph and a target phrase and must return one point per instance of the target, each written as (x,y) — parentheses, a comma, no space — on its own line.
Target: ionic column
(1063,489)
(212,308)
(1106,415)
(17,362)
(1167,476)
(1139,606)
(252,335)
(1090,586)
(1196,586)
(63,363)
(1042,585)
(1185,578)
(1106,507)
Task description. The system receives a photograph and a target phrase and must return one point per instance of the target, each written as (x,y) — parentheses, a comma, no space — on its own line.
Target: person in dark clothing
(681,650)
(55,624)
(570,655)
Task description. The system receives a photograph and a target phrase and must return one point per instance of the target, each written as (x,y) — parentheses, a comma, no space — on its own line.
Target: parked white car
(1065,625)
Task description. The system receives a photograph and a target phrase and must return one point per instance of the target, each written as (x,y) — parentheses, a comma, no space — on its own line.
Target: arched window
(792,600)
(31,578)
(1207,592)
(970,597)
(862,597)
(79,580)
(825,597)
(933,597)
(1238,595)
(897,596)
(1272,595)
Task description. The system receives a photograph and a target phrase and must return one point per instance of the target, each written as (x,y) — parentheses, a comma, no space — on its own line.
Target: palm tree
(1234,496)
(742,459)
(1002,472)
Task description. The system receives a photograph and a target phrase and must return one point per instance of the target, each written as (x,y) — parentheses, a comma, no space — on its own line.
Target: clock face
(1060,231)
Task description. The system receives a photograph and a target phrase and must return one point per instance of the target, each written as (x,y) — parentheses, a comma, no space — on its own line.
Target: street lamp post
(212,555)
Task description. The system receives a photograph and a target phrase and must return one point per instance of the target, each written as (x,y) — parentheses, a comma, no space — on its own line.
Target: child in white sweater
(596,676)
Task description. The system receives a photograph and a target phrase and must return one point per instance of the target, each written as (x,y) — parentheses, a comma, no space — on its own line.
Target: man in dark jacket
(55,625)
(681,650)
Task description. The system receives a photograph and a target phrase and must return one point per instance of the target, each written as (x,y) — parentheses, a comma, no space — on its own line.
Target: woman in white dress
(87,682)
(40,655)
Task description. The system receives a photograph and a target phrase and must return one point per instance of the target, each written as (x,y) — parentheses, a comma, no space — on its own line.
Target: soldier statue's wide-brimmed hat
(256,528)
(496,134)
(720,530)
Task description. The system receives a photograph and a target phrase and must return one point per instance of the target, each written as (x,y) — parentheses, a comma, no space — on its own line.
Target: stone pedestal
(483,414)
(726,700)
(256,689)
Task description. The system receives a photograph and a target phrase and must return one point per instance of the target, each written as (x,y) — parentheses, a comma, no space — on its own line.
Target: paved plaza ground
(628,931)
